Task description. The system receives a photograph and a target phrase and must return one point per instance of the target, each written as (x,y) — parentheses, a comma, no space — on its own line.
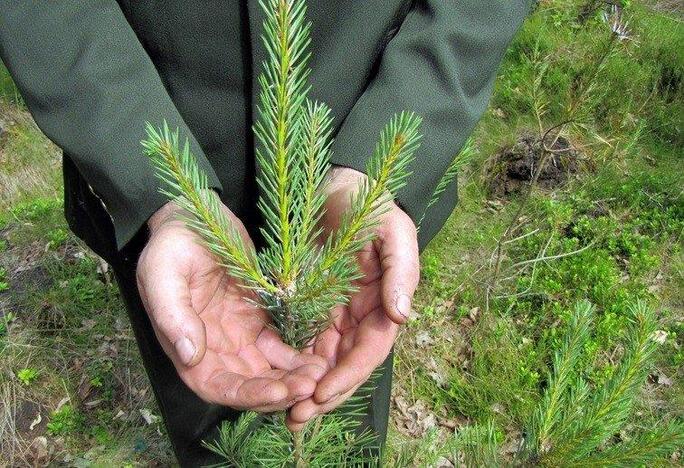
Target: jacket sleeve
(91,87)
(441,64)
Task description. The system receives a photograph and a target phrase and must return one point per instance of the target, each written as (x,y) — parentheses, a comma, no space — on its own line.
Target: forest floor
(603,222)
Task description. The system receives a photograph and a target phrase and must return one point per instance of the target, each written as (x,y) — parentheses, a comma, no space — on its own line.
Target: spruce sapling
(574,423)
(296,277)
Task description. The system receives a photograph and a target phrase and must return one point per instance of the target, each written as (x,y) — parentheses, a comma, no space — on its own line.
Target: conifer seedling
(302,272)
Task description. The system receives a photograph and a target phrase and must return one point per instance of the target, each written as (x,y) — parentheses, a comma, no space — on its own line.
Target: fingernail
(185,349)
(332,398)
(403,304)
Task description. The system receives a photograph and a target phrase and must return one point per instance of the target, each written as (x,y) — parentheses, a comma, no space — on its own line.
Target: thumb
(400,267)
(180,330)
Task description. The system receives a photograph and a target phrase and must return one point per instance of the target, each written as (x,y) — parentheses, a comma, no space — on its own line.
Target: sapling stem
(300,462)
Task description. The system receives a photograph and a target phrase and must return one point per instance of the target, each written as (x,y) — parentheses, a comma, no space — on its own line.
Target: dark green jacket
(93,71)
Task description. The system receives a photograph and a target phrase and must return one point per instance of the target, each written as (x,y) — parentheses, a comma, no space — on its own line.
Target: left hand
(363,331)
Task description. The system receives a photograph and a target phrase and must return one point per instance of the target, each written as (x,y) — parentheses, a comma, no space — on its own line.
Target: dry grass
(67,323)
(11,444)
(675,7)
(29,163)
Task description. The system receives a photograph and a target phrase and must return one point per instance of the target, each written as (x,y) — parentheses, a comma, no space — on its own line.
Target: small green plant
(4,285)
(5,322)
(101,375)
(83,288)
(28,375)
(572,423)
(477,445)
(102,435)
(38,209)
(57,237)
(96,381)
(575,424)
(330,440)
(64,421)
(429,268)
(581,93)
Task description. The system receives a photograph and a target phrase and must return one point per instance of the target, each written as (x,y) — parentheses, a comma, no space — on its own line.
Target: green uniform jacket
(92,72)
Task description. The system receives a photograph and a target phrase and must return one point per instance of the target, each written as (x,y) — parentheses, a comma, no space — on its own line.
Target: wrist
(163,215)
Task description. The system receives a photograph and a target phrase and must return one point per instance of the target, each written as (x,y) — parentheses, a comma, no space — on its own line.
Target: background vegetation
(501,283)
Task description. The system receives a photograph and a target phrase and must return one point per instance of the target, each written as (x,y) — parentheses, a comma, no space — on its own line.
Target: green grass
(65,337)
(8,90)
(623,215)
(30,163)
(479,353)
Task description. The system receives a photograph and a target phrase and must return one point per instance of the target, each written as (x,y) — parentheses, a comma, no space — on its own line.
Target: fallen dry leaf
(88,324)
(39,453)
(438,378)
(498,112)
(414,420)
(466,322)
(148,416)
(84,388)
(664,380)
(62,402)
(660,336)
(413,315)
(35,422)
(452,424)
(423,338)
(436,373)
(474,314)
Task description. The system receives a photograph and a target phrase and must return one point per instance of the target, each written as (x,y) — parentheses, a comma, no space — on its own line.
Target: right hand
(220,344)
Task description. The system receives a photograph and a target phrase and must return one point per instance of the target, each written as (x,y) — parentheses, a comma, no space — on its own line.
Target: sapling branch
(187,186)
(316,127)
(283,90)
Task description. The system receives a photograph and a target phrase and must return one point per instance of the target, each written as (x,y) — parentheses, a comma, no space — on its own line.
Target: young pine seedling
(577,424)
(302,272)
(296,278)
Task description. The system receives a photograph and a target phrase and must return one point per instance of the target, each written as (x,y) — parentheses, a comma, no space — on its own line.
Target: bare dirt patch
(512,169)
(28,422)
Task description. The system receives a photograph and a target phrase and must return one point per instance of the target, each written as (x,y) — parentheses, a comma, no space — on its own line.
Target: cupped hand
(220,344)
(363,331)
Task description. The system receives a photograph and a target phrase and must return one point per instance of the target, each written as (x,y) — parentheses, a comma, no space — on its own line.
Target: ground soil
(512,169)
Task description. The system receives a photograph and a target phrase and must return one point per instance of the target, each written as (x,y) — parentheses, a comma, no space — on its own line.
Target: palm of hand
(362,333)
(242,362)
(357,342)
(362,322)
(236,331)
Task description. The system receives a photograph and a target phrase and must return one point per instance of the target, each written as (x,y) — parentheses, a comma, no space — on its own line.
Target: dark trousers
(188,419)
